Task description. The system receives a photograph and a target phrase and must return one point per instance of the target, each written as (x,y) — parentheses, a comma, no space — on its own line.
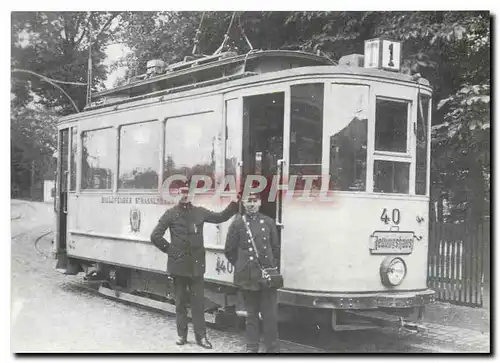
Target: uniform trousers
(190,289)
(266,302)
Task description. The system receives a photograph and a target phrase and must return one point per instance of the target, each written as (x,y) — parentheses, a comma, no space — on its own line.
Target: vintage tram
(362,123)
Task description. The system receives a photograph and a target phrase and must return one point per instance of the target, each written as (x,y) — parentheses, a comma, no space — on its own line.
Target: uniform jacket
(186,253)
(239,250)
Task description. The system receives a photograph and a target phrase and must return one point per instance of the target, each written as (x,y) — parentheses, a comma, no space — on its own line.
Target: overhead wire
(52,82)
(45,77)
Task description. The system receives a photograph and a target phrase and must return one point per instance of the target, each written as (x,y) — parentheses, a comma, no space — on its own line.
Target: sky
(114,52)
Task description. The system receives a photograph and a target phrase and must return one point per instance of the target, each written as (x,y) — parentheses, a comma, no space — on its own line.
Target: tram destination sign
(392,242)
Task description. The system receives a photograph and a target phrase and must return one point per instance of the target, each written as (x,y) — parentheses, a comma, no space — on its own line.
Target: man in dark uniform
(186,260)
(240,252)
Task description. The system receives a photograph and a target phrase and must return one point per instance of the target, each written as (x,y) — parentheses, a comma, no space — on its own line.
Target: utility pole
(32,179)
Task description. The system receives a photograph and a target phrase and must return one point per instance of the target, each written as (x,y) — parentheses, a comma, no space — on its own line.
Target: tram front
(356,212)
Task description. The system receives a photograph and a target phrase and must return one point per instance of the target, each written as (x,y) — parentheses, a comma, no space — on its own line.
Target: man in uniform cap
(239,250)
(186,260)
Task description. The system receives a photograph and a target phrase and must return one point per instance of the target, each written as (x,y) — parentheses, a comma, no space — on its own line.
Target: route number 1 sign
(383,54)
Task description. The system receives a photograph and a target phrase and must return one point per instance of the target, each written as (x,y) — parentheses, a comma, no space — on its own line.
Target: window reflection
(139,156)
(306,130)
(190,143)
(391,177)
(391,125)
(422,144)
(348,137)
(98,158)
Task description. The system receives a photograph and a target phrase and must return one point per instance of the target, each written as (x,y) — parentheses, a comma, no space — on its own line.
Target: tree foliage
(33,143)
(56,45)
(53,45)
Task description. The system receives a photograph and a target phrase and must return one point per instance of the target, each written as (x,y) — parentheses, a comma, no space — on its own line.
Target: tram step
(155,304)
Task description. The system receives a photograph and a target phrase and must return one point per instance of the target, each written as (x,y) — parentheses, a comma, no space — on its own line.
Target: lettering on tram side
(116,200)
(222,266)
(392,242)
(133,200)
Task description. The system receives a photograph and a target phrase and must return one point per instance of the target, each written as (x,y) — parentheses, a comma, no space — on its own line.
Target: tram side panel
(103,229)
(114,228)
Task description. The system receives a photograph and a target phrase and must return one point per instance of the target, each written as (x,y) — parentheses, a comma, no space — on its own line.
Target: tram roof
(227,63)
(229,66)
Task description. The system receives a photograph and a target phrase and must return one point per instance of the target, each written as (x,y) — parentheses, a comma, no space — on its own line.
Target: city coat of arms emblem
(135,220)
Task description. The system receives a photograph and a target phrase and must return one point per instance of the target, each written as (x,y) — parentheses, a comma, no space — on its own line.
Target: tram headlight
(392,271)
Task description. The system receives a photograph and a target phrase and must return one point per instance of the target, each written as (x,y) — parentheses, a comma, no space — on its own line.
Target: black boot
(181,341)
(202,341)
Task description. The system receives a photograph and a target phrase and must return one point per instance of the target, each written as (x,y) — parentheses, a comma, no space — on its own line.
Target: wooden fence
(458,262)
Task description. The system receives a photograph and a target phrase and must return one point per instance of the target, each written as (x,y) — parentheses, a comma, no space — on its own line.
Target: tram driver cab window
(306,133)
(391,136)
(347,130)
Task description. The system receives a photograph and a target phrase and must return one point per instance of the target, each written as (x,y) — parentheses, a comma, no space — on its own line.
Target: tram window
(422,144)
(391,177)
(98,158)
(74,143)
(190,143)
(139,156)
(391,126)
(306,130)
(348,137)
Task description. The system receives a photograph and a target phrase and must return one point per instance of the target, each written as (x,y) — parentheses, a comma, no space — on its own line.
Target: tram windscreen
(347,130)
(391,126)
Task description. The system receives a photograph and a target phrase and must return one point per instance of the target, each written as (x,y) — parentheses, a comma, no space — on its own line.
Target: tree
(49,47)
(170,36)
(56,45)
(33,143)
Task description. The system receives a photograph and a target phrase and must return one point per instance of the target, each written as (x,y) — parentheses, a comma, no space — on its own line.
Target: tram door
(62,190)
(263,121)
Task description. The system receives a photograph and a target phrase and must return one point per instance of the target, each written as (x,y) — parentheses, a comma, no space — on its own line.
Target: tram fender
(384,319)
